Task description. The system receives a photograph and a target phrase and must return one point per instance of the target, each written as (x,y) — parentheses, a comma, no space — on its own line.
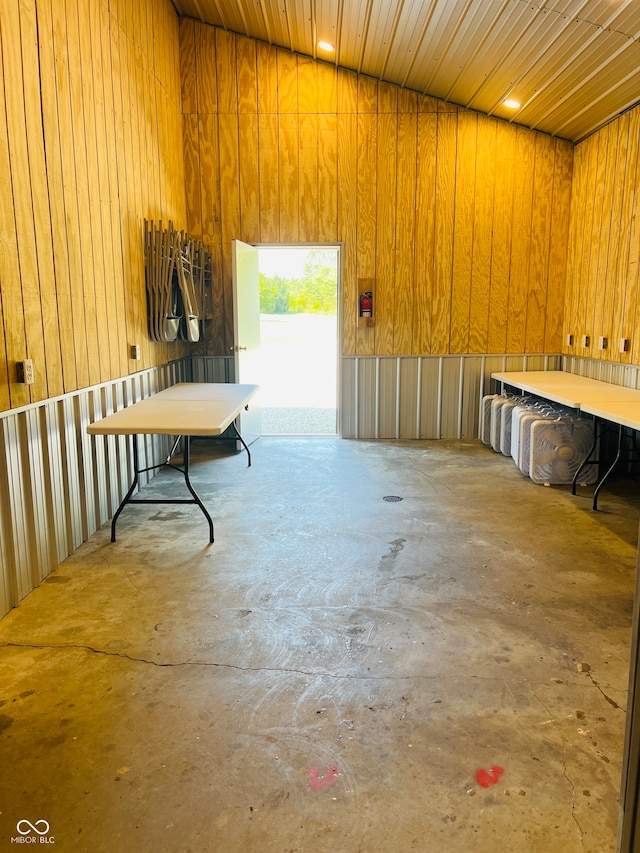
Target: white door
(246,332)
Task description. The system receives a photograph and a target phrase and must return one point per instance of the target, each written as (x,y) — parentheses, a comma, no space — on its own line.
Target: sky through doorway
(299,340)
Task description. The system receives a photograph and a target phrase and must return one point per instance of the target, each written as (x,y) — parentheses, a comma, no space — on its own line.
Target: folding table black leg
(136,478)
(242,441)
(187,454)
(610,469)
(132,488)
(587,460)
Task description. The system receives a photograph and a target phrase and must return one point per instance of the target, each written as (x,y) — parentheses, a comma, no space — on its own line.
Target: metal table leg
(134,485)
(587,460)
(610,469)
(195,499)
(242,442)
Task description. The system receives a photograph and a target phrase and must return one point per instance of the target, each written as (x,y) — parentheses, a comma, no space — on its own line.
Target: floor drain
(391,498)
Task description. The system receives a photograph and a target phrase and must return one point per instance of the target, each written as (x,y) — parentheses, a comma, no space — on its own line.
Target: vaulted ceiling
(573,65)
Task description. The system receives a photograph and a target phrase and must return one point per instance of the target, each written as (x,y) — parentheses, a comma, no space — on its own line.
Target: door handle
(236,349)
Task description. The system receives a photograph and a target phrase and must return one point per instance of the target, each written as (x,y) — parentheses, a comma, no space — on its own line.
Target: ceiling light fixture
(512,104)
(325,45)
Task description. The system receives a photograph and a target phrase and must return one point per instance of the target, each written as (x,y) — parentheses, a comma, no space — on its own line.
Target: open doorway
(299,339)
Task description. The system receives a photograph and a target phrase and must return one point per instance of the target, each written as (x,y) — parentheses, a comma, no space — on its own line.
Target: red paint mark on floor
(484,778)
(330,777)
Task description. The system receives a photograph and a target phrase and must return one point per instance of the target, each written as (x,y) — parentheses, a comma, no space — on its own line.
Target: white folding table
(185,410)
(567,389)
(625,413)
(603,400)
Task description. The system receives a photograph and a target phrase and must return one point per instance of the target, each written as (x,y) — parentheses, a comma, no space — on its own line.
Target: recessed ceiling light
(512,104)
(325,45)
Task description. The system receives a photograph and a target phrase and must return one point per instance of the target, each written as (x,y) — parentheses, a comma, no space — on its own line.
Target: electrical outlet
(25,371)
(623,345)
(134,352)
(586,341)
(569,340)
(603,343)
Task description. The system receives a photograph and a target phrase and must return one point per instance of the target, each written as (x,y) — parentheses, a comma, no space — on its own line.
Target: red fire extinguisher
(366,304)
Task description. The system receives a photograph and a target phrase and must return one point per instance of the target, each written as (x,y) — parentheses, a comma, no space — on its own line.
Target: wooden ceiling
(572,64)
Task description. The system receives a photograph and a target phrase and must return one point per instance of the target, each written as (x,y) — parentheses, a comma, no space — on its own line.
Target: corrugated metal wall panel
(58,485)
(111,452)
(90,520)
(8,588)
(122,465)
(39,503)
(348,394)
(472,384)
(367,398)
(605,371)
(490,364)
(541,362)
(55,479)
(409,407)
(25,575)
(6,598)
(450,398)
(97,445)
(387,394)
(212,368)
(630,377)
(427,397)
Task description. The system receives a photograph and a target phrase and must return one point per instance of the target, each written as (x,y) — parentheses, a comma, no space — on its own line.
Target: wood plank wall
(602,297)
(461,220)
(90,145)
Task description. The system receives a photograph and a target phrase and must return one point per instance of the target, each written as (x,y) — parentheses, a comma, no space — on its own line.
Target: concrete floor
(337,672)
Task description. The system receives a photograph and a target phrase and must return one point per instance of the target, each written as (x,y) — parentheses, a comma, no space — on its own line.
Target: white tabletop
(622,412)
(567,389)
(189,408)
